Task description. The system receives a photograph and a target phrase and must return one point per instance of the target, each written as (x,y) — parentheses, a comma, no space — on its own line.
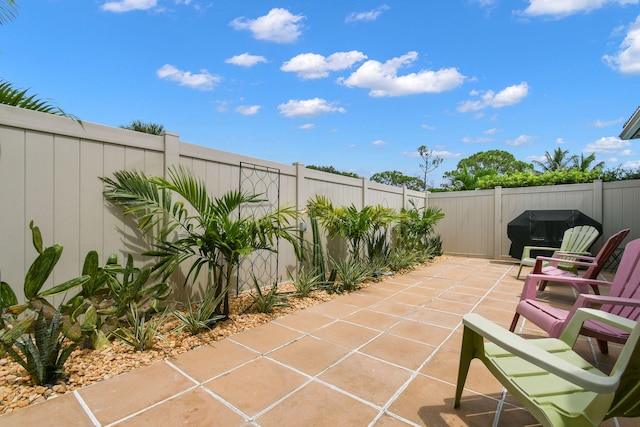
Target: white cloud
(508,96)
(627,153)
(520,140)
(442,153)
(606,145)
(201,81)
(627,60)
(492,131)
(428,127)
(314,66)
(370,15)
(634,164)
(562,8)
(128,5)
(379,142)
(245,60)
(476,140)
(279,26)
(248,110)
(307,126)
(560,141)
(309,108)
(603,124)
(383,80)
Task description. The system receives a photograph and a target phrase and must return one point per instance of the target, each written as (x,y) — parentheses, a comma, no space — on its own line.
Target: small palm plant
(213,236)
(265,302)
(141,332)
(351,272)
(202,318)
(306,281)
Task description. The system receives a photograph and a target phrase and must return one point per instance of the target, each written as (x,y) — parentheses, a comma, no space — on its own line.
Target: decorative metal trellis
(264,182)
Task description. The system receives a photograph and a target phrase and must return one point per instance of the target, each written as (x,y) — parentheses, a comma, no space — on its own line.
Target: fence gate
(264,182)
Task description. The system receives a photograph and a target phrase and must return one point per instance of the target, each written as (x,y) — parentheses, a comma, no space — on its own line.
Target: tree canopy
(331,169)
(398,179)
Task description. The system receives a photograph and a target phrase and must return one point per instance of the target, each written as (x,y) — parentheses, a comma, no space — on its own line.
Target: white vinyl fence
(50,168)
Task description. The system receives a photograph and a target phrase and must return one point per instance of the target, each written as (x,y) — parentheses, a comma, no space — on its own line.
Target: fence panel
(49,170)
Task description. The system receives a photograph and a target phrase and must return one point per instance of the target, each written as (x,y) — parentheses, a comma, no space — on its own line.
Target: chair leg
(603,346)
(542,285)
(466,355)
(514,322)
(519,271)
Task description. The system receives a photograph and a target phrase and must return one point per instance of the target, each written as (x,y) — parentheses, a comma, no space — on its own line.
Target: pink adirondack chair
(593,265)
(623,300)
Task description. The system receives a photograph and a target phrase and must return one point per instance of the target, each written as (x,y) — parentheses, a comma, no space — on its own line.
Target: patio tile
(444,366)
(359,300)
(372,319)
(427,334)
(449,306)
(113,399)
(398,350)
(387,420)
(406,297)
(392,285)
(501,317)
(459,297)
(65,410)
(468,290)
(436,317)
(429,402)
(319,406)
(309,355)
(436,283)
(195,407)
(393,308)
(304,321)
(375,291)
(257,385)
(421,291)
(266,338)
(367,378)
(209,361)
(346,334)
(335,309)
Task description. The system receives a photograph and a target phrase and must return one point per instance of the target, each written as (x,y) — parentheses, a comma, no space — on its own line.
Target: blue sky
(358,85)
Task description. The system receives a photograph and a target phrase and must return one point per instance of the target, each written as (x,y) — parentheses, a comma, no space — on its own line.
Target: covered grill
(544,228)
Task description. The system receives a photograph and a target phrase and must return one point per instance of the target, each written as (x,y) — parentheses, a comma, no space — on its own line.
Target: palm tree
(584,163)
(557,161)
(22,99)
(140,126)
(215,237)
(357,227)
(8,10)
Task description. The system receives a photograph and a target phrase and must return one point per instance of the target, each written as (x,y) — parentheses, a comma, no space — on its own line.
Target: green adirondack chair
(575,240)
(556,385)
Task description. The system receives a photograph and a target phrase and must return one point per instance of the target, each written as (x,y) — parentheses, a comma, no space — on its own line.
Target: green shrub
(141,332)
(42,352)
(305,282)
(266,302)
(351,272)
(196,320)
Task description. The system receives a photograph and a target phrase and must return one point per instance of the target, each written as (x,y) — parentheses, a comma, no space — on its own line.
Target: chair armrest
(555,261)
(581,315)
(537,356)
(532,279)
(579,255)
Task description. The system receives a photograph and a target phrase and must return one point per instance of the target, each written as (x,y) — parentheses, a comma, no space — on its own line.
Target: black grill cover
(544,228)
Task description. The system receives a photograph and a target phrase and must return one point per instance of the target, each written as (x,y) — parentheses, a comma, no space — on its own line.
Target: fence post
(365,188)
(597,200)
(497,224)
(171,151)
(300,196)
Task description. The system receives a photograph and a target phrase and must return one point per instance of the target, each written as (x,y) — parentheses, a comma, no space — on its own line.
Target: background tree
(8,11)
(140,126)
(472,169)
(585,164)
(559,160)
(430,162)
(398,179)
(331,169)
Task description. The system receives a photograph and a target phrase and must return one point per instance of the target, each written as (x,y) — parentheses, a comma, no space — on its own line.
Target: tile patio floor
(384,356)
